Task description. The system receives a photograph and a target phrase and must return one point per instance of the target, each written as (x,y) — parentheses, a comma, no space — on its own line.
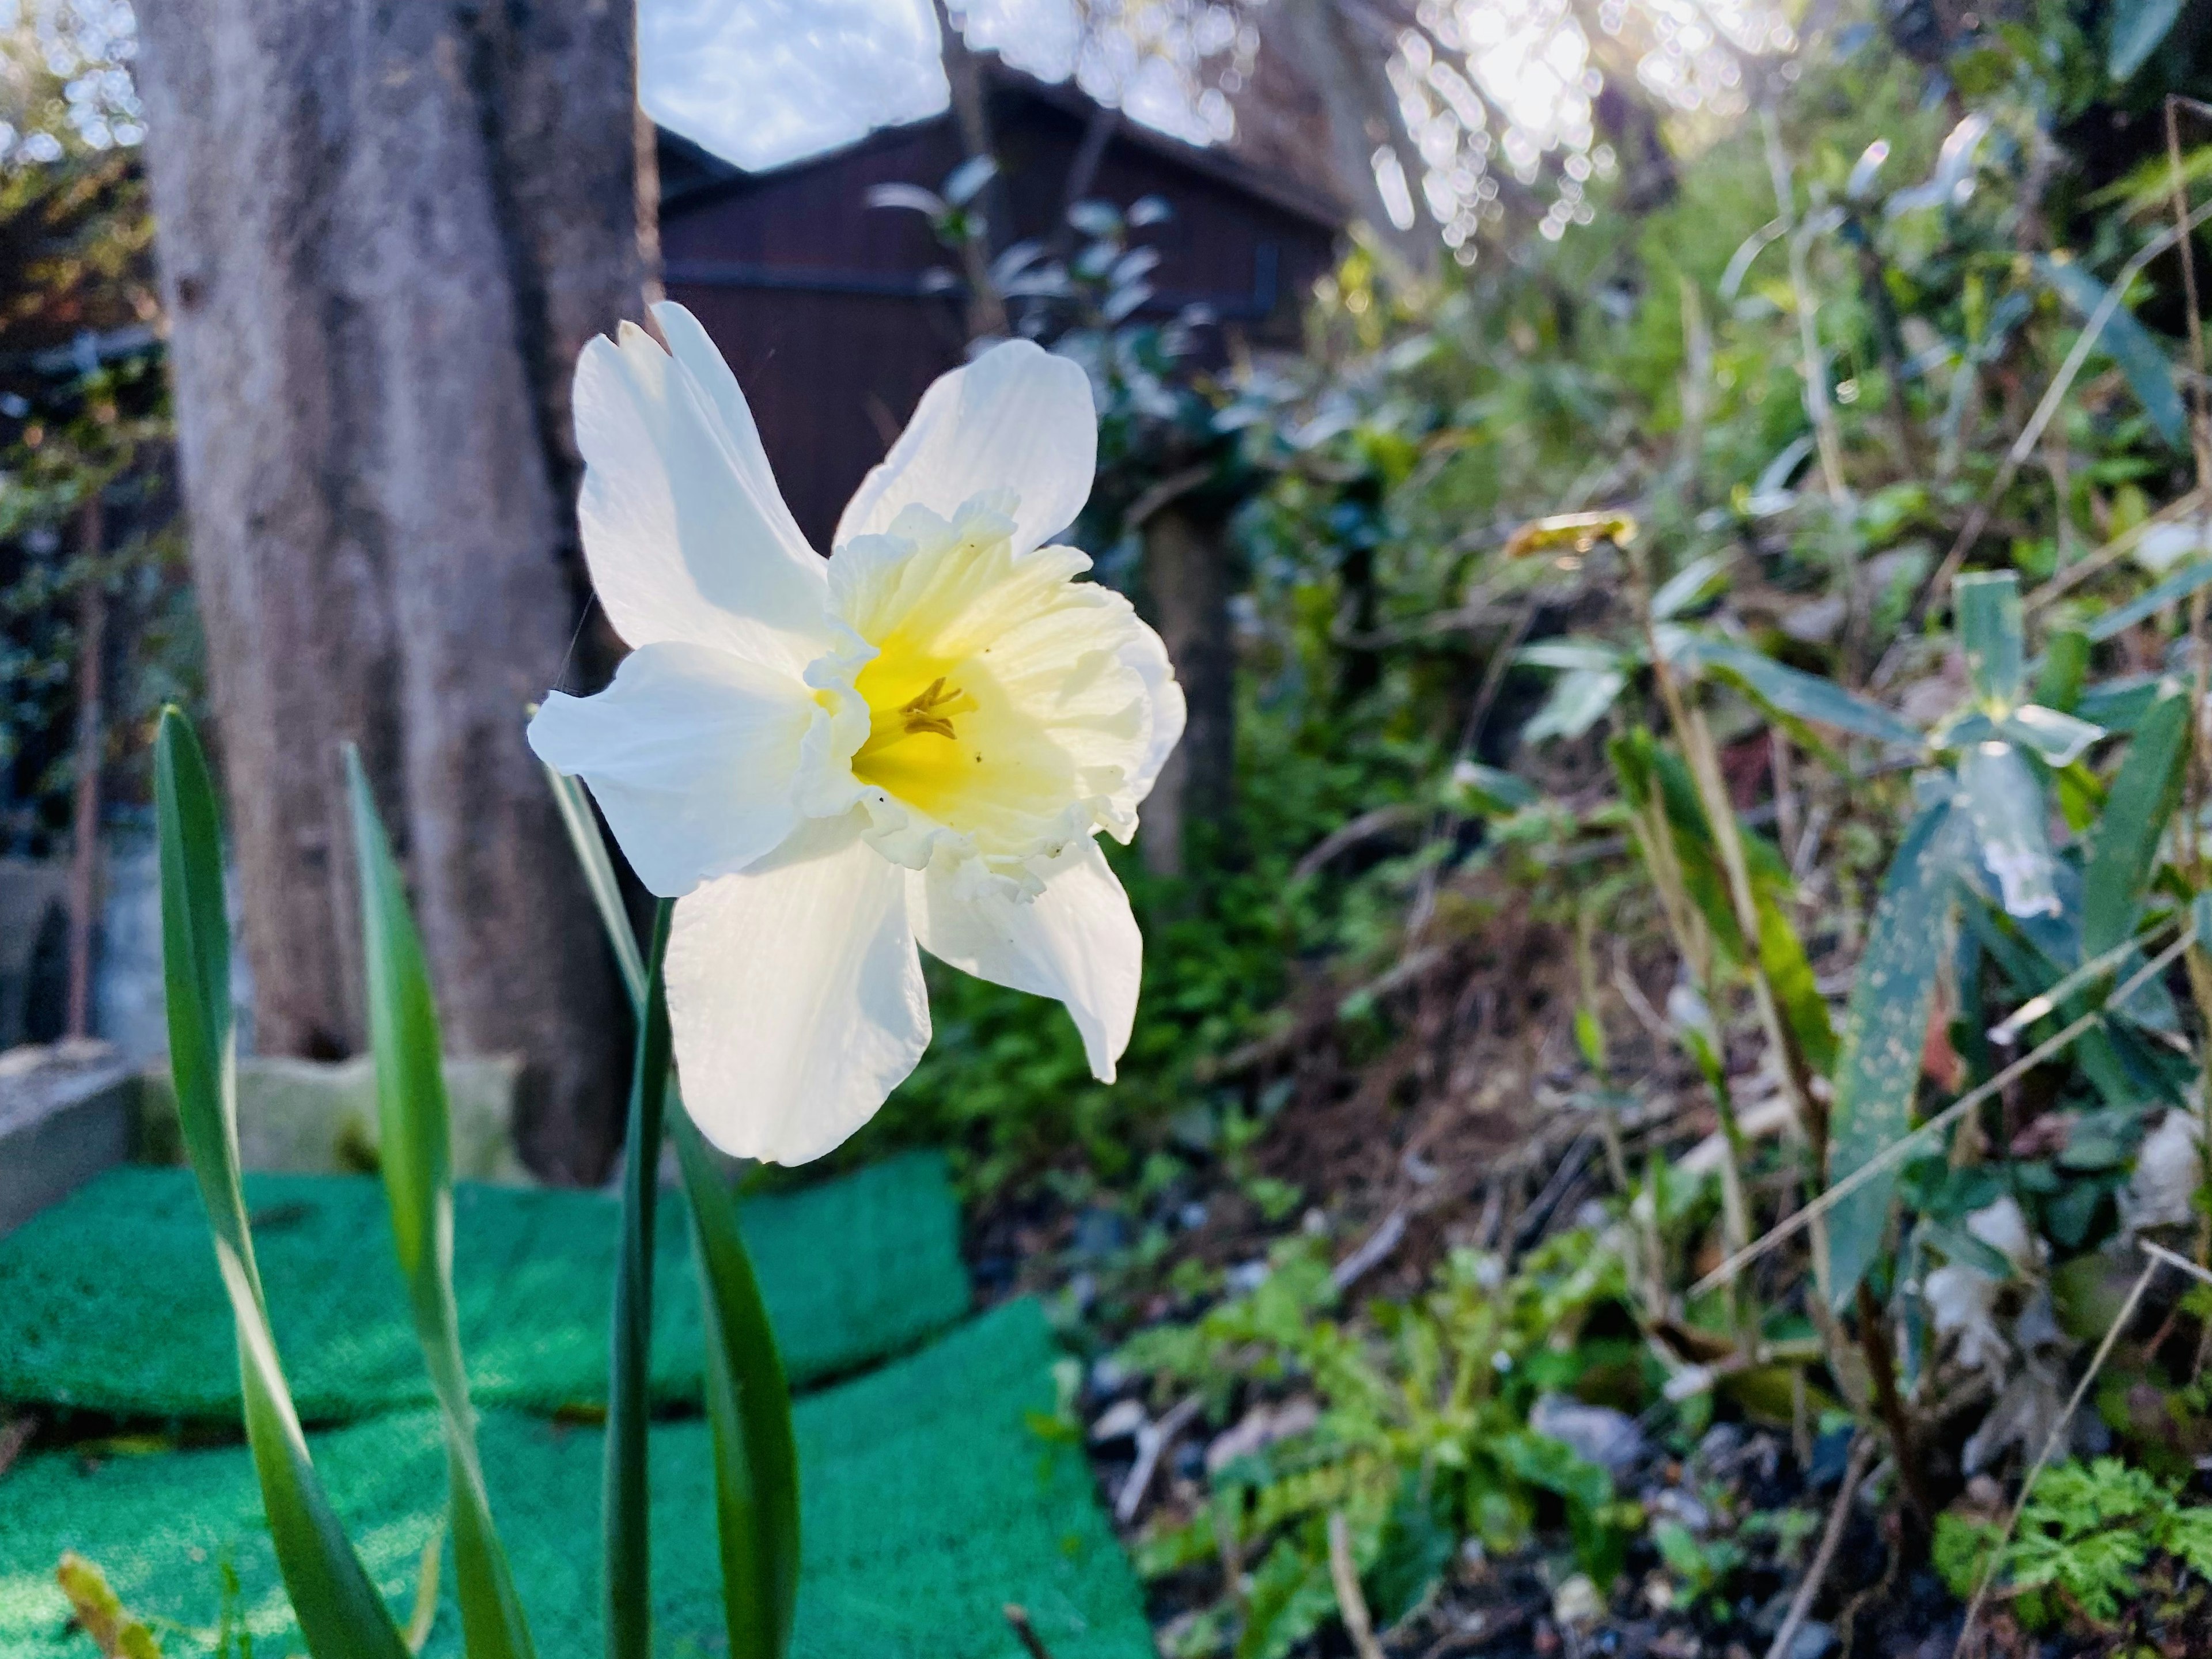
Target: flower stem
(629,1556)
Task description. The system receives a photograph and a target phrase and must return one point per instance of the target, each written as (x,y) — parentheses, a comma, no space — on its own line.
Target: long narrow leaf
(748,1409)
(628,1545)
(1878,1071)
(748,1399)
(1991,635)
(2125,340)
(2004,800)
(591,850)
(340,1614)
(417,1160)
(1790,692)
(2123,844)
(2183,581)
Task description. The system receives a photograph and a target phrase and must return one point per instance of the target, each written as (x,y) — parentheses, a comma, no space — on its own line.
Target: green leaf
(340,1614)
(1487,791)
(1577,702)
(2005,804)
(2139,27)
(2127,342)
(1988,606)
(1696,582)
(1593,654)
(2060,739)
(1790,972)
(2065,667)
(1878,1069)
(2123,849)
(1790,692)
(629,1552)
(2119,704)
(748,1409)
(416,1163)
(2176,586)
(591,850)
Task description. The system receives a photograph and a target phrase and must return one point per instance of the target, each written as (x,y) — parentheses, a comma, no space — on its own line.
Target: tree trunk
(91,745)
(386,232)
(1187,579)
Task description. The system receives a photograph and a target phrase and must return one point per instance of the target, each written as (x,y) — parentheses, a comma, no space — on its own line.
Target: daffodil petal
(687,340)
(1146,652)
(1077,941)
(685,533)
(796,996)
(1016,419)
(691,753)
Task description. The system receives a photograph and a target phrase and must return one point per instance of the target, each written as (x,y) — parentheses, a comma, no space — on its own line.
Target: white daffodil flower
(828,762)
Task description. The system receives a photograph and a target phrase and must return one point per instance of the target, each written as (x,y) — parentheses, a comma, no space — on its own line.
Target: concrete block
(67,1110)
(311,1117)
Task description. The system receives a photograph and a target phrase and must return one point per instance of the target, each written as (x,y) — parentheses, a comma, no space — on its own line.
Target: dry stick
(1017,1616)
(1899,1149)
(2032,433)
(1889,1404)
(1359,1623)
(1808,1588)
(2006,1030)
(1152,1440)
(2111,553)
(2051,1443)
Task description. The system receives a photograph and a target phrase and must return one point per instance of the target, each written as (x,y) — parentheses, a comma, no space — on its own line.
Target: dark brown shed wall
(816,300)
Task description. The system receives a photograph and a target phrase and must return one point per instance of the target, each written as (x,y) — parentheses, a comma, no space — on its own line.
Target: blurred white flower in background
(826,764)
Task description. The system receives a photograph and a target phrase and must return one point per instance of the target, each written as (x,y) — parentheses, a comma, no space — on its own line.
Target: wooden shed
(820,303)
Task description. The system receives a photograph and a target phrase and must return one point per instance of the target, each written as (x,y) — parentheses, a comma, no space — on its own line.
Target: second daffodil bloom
(828,762)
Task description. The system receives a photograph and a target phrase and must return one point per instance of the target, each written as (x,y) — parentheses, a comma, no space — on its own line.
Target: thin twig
(2032,433)
(2050,1444)
(2111,553)
(1808,1588)
(1358,1624)
(1372,1253)
(1018,1617)
(1903,1146)
(1152,1442)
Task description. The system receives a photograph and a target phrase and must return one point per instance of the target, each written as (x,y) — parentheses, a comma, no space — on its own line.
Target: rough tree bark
(1187,580)
(385,232)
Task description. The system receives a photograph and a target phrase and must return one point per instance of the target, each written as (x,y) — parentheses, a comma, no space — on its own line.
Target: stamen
(932,711)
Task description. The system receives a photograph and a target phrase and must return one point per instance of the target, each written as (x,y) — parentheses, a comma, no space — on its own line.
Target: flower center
(1001,717)
(930,712)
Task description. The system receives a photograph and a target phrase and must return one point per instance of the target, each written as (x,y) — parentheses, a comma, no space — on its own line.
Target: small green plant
(1420,1441)
(2089,1537)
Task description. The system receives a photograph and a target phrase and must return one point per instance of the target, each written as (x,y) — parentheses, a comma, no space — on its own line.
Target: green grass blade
(340,1614)
(2123,844)
(1878,1070)
(418,1187)
(749,1407)
(629,1550)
